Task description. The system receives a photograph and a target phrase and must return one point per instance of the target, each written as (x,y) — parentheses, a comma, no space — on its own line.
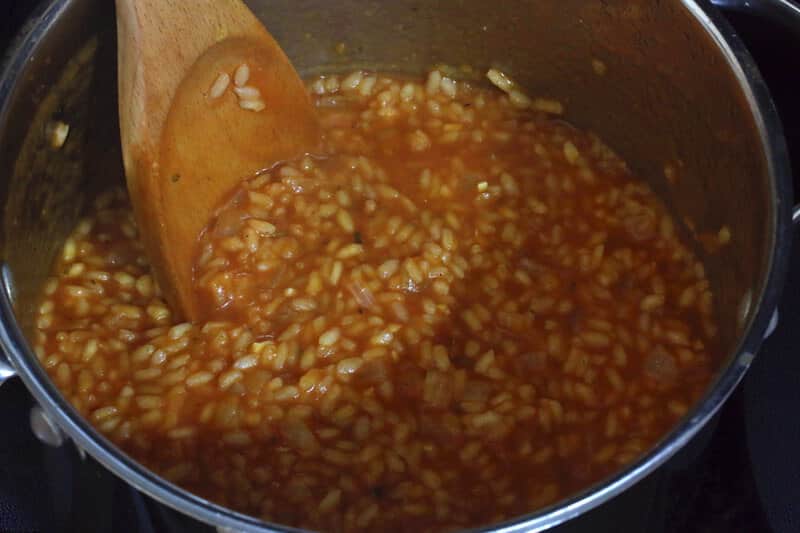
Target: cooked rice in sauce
(462,311)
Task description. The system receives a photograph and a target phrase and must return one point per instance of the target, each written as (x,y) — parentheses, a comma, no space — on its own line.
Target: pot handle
(41,423)
(784,13)
(7,370)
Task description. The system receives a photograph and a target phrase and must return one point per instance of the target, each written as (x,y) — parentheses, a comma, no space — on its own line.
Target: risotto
(461,310)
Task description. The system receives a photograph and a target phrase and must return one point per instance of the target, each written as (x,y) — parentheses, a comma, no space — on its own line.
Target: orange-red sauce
(462,311)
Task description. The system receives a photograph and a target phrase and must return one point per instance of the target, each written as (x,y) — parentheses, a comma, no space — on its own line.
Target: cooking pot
(667,84)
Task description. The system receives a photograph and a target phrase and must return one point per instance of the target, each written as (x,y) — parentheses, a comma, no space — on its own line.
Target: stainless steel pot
(678,96)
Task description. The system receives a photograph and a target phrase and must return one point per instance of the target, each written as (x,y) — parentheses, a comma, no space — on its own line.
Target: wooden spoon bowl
(207,98)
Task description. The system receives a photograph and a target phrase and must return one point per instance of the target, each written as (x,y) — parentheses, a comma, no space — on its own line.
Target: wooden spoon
(187,143)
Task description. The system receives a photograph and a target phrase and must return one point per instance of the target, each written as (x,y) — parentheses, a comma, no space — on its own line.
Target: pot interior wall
(667,99)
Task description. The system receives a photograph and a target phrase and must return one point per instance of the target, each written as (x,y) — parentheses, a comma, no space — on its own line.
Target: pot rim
(16,347)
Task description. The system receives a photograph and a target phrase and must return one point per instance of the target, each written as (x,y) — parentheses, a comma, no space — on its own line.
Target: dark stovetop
(732,478)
